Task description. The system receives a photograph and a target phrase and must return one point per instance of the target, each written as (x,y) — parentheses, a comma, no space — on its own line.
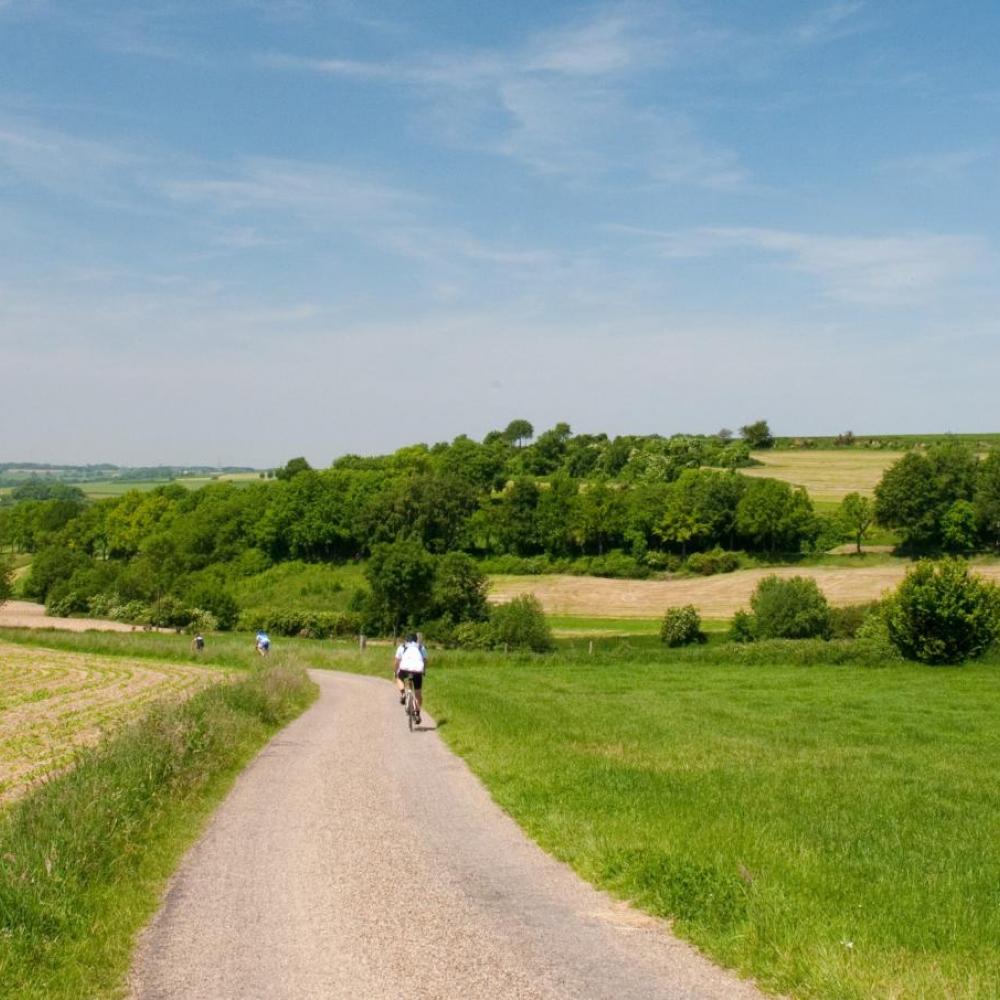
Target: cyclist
(410,662)
(198,643)
(263,643)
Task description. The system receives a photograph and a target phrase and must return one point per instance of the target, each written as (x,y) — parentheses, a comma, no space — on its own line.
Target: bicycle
(410,703)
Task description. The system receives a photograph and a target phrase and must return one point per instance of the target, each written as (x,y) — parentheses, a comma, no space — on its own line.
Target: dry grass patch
(826,475)
(53,703)
(714,596)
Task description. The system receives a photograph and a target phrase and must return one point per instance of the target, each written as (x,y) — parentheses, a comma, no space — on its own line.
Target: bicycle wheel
(411,710)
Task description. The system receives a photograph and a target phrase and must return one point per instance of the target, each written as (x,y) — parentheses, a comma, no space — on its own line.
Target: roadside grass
(831,830)
(222,649)
(84,858)
(299,585)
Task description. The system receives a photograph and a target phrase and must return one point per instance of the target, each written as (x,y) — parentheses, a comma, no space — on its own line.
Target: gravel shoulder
(355,859)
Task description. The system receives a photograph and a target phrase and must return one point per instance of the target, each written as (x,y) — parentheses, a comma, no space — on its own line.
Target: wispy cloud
(561,102)
(829,23)
(896,270)
(932,168)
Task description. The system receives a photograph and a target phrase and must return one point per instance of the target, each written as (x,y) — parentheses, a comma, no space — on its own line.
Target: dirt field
(53,702)
(24,614)
(714,596)
(826,475)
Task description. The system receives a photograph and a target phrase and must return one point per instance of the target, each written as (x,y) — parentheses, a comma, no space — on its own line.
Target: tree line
(644,501)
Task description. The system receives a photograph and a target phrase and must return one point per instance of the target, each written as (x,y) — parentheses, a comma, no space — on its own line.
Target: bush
(943,614)
(792,608)
(305,624)
(521,624)
(711,562)
(743,627)
(845,622)
(664,562)
(473,635)
(681,627)
(219,602)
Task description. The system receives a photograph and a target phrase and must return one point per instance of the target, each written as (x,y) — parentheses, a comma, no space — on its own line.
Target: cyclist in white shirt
(410,661)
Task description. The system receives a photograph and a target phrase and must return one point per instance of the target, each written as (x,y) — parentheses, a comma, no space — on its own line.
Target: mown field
(52,703)
(98,489)
(715,597)
(826,475)
(832,831)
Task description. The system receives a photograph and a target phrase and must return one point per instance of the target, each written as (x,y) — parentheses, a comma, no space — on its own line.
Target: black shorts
(417,676)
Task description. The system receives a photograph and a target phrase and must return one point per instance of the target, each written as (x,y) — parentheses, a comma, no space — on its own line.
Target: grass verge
(83,859)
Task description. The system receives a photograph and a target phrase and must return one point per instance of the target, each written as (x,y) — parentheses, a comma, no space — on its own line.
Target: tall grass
(83,858)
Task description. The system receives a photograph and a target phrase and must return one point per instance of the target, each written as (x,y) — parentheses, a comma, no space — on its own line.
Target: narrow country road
(354,859)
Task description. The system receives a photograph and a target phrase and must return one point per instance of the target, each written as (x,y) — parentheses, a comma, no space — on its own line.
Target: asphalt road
(354,859)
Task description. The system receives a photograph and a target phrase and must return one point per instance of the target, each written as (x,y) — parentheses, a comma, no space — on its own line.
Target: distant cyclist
(410,662)
(263,643)
(198,643)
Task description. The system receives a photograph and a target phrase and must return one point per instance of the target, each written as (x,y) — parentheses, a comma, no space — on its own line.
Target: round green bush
(743,627)
(941,613)
(681,627)
(792,608)
(521,624)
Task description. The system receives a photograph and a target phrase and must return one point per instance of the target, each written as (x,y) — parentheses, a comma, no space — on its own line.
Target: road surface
(354,859)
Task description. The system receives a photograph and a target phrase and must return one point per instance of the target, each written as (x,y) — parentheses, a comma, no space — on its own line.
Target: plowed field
(53,703)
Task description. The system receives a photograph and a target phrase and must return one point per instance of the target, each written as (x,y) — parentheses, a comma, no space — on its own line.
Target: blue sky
(250,229)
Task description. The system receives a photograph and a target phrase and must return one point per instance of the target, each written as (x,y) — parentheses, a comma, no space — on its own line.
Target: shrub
(681,627)
(664,562)
(743,627)
(943,614)
(845,622)
(792,608)
(460,589)
(473,635)
(521,624)
(711,562)
(872,635)
(219,602)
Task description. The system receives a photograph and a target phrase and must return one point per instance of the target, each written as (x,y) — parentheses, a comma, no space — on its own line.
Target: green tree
(401,577)
(459,590)
(6,580)
(757,434)
(986,497)
(517,432)
(959,530)
(856,514)
(771,513)
(548,452)
(943,614)
(916,492)
(292,468)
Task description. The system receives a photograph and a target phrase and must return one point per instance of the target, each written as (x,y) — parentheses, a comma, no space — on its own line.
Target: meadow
(830,830)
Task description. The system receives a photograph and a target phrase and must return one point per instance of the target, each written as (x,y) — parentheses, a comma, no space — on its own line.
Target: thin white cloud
(829,23)
(931,168)
(560,102)
(896,270)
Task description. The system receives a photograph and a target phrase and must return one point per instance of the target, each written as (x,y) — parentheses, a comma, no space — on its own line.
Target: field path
(354,859)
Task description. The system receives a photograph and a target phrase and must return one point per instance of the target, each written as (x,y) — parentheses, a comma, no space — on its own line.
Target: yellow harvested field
(714,596)
(826,475)
(52,703)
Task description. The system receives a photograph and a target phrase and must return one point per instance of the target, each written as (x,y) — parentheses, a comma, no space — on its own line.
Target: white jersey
(411,657)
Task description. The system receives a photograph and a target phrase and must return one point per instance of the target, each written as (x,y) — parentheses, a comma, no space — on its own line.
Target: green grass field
(832,831)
